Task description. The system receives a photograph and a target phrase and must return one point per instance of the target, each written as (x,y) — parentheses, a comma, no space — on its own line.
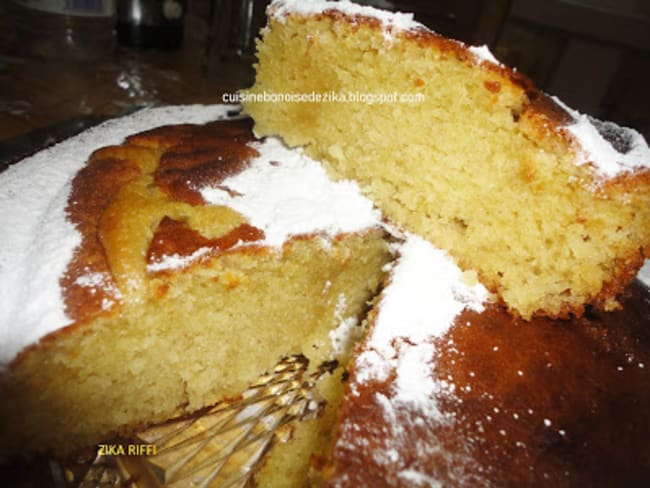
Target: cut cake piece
(168,273)
(552,208)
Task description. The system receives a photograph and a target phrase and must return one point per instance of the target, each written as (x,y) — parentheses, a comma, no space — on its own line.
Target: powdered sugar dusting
(285,193)
(414,384)
(348,331)
(176,261)
(644,274)
(92,280)
(483,54)
(595,149)
(103,282)
(38,240)
(417,478)
(425,294)
(392,22)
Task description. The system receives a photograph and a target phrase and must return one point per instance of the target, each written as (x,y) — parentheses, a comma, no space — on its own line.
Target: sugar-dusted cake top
(426,292)
(281,192)
(38,241)
(285,193)
(391,21)
(489,397)
(611,149)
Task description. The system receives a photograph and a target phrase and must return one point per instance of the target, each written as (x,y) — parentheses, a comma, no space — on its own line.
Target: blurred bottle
(230,43)
(79,30)
(150,23)
(234,26)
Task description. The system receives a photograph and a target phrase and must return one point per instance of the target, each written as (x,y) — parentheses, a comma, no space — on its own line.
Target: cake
(159,263)
(461,394)
(550,207)
(149,270)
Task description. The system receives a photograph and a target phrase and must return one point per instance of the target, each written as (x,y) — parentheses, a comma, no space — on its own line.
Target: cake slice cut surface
(551,208)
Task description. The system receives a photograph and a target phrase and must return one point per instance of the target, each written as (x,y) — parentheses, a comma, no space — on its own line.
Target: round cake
(146,275)
(159,263)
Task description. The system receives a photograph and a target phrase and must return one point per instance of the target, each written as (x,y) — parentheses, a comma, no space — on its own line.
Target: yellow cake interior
(473,165)
(296,462)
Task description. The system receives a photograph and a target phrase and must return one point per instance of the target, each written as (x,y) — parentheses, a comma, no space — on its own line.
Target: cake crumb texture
(482,165)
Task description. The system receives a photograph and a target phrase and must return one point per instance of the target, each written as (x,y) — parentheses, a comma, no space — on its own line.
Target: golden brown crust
(540,402)
(204,156)
(628,267)
(176,238)
(181,158)
(93,189)
(606,299)
(629,183)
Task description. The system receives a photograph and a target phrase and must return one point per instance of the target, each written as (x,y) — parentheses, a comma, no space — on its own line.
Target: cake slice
(145,275)
(550,207)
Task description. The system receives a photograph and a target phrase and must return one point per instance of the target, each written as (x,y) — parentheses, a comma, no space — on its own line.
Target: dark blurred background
(593,54)
(62,70)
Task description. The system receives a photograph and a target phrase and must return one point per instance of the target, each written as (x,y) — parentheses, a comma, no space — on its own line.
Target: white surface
(595,149)
(348,331)
(425,294)
(176,261)
(644,273)
(285,193)
(483,54)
